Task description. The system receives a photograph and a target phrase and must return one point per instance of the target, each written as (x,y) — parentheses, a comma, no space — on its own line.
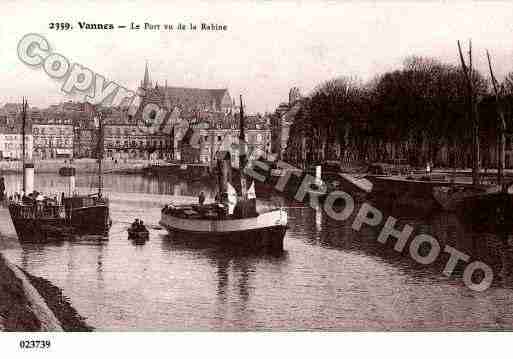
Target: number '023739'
(35,344)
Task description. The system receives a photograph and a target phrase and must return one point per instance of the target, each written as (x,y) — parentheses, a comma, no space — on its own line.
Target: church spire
(146,82)
(167,100)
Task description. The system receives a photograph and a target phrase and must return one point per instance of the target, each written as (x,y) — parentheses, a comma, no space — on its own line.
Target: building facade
(282,119)
(53,136)
(11,144)
(11,139)
(189,102)
(202,142)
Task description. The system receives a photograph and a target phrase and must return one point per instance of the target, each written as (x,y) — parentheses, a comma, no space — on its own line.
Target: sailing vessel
(488,205)
(475,202)
(40,219)
(34,220)
(233,220)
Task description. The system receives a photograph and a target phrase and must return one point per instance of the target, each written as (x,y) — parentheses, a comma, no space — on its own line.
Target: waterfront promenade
(85,165)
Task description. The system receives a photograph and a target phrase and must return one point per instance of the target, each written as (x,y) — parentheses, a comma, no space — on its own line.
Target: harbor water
(329,276)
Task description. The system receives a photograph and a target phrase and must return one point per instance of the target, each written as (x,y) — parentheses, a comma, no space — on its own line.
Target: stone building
(85,135)
(126,138)
(11,139)
(188,101)
(282,119)
(202,140)
(11,143)
(173,110)
(53,135)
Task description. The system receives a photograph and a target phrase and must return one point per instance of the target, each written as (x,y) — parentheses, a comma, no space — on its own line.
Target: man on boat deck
(201,198)
(39,201)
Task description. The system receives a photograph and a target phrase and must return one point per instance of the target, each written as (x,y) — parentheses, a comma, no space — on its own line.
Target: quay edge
(26,302)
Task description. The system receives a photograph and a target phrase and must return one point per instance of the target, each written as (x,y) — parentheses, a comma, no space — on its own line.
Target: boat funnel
(71,185)
(70,173)
(28,178)
(318,175)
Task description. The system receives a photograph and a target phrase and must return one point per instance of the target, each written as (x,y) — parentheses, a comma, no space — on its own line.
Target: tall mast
(100,153)
(501,127)
(23,118)
(242,154)
(472,111)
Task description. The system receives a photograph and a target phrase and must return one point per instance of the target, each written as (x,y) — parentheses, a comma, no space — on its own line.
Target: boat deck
(210,211)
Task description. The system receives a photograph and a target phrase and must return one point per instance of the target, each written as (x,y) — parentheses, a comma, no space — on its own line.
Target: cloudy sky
(269,46)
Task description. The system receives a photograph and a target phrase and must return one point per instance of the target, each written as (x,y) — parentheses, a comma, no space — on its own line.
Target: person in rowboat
(135,225)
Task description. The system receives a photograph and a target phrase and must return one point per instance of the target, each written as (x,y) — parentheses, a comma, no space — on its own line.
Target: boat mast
(23,118)
(501,128)
(100,154)
(242,153)
(23,142)
(472,111)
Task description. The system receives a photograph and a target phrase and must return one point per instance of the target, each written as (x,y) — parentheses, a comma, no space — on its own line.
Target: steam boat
(39,219)
(211,223)
(233,220)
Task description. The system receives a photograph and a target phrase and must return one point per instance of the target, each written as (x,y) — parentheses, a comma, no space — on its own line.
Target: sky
(269,47)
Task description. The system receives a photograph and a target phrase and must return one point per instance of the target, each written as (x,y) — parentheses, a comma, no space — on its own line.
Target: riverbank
(83,165)
(69,318)
(30,303)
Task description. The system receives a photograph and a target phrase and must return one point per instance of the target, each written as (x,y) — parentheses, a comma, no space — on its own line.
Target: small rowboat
(139,236)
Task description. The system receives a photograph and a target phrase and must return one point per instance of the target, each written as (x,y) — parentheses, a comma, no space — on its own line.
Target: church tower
(146,82)
(148,94)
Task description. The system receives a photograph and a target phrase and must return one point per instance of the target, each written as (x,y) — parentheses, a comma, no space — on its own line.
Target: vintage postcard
(255,166)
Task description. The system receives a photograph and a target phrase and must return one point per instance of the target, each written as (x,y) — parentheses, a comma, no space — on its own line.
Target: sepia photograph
(255,166)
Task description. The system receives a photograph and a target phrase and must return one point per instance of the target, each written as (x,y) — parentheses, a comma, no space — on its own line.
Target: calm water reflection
(330,277)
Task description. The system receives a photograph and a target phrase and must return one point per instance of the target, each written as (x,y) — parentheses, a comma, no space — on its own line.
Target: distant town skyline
(267,48)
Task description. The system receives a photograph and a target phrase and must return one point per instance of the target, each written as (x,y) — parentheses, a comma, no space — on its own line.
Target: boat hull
(138,237)
(39,230)
(190,172)
(400,192)
(265,231)
(490,211)
(94,220)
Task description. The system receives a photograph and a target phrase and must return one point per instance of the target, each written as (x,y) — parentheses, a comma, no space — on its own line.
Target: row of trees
(418,113)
